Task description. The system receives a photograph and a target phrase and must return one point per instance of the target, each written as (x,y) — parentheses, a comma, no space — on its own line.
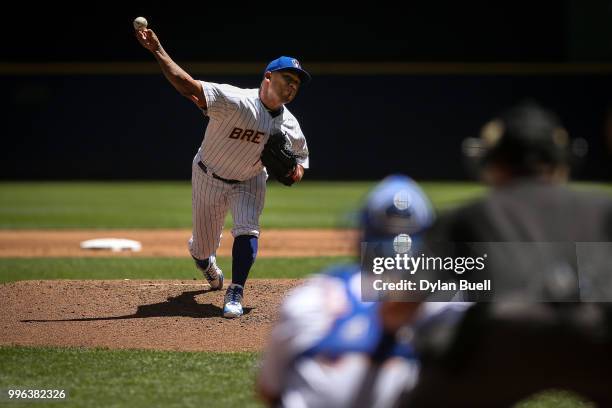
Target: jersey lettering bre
(239,127)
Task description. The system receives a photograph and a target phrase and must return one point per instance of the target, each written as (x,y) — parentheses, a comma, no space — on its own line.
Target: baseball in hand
(140,23)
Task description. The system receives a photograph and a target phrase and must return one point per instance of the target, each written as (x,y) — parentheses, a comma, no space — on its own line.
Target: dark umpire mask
(524,139)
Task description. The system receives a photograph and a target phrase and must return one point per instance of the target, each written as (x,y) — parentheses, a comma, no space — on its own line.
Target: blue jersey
(360,329)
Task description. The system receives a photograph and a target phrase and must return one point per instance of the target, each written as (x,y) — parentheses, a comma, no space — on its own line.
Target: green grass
(168,204)
(95,205)
(134,378)
(555,399)
(161,205)
(139,378)
(13,269)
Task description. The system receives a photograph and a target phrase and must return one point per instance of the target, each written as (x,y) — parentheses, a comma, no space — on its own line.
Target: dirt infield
(160,315)
(173,243)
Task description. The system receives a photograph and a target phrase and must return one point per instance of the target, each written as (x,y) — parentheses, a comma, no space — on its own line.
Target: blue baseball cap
(397,205)
(291,64)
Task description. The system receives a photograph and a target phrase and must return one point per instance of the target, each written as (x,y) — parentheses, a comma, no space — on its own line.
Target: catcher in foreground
(329,347)
(228,170)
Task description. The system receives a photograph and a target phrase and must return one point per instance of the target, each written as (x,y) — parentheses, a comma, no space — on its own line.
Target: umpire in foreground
(503,351)
(525,158)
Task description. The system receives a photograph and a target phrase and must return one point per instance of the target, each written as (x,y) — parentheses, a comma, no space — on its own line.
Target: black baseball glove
(279,159)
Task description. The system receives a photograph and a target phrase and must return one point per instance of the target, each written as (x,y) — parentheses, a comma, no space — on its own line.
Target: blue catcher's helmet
(394,208)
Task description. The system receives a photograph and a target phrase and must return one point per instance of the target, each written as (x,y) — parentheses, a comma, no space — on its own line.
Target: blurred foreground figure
(504,351)
(331,349)
(525,157)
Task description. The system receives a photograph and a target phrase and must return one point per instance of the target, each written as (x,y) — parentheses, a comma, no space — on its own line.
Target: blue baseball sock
(244,252)
(202,264)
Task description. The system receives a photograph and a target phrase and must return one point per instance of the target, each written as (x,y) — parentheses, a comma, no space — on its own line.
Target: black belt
(205,169)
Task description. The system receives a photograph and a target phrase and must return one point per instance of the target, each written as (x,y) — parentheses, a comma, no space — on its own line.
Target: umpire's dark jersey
(547,232)
(502,352)
(531,211)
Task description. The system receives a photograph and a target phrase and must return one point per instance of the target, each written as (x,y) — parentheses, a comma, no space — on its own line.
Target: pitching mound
(161,315)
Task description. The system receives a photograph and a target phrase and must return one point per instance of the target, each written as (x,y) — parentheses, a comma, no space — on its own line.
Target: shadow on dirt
(183,305)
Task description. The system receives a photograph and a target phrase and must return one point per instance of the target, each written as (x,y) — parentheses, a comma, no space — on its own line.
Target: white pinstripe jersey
(238,129)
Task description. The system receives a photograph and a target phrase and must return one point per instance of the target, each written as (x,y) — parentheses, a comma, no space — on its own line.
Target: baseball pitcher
(250,134)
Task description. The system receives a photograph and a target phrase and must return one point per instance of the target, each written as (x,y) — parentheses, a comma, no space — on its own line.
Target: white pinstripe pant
(212,198)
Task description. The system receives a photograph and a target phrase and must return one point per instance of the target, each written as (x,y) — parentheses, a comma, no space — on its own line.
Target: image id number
(35,394)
